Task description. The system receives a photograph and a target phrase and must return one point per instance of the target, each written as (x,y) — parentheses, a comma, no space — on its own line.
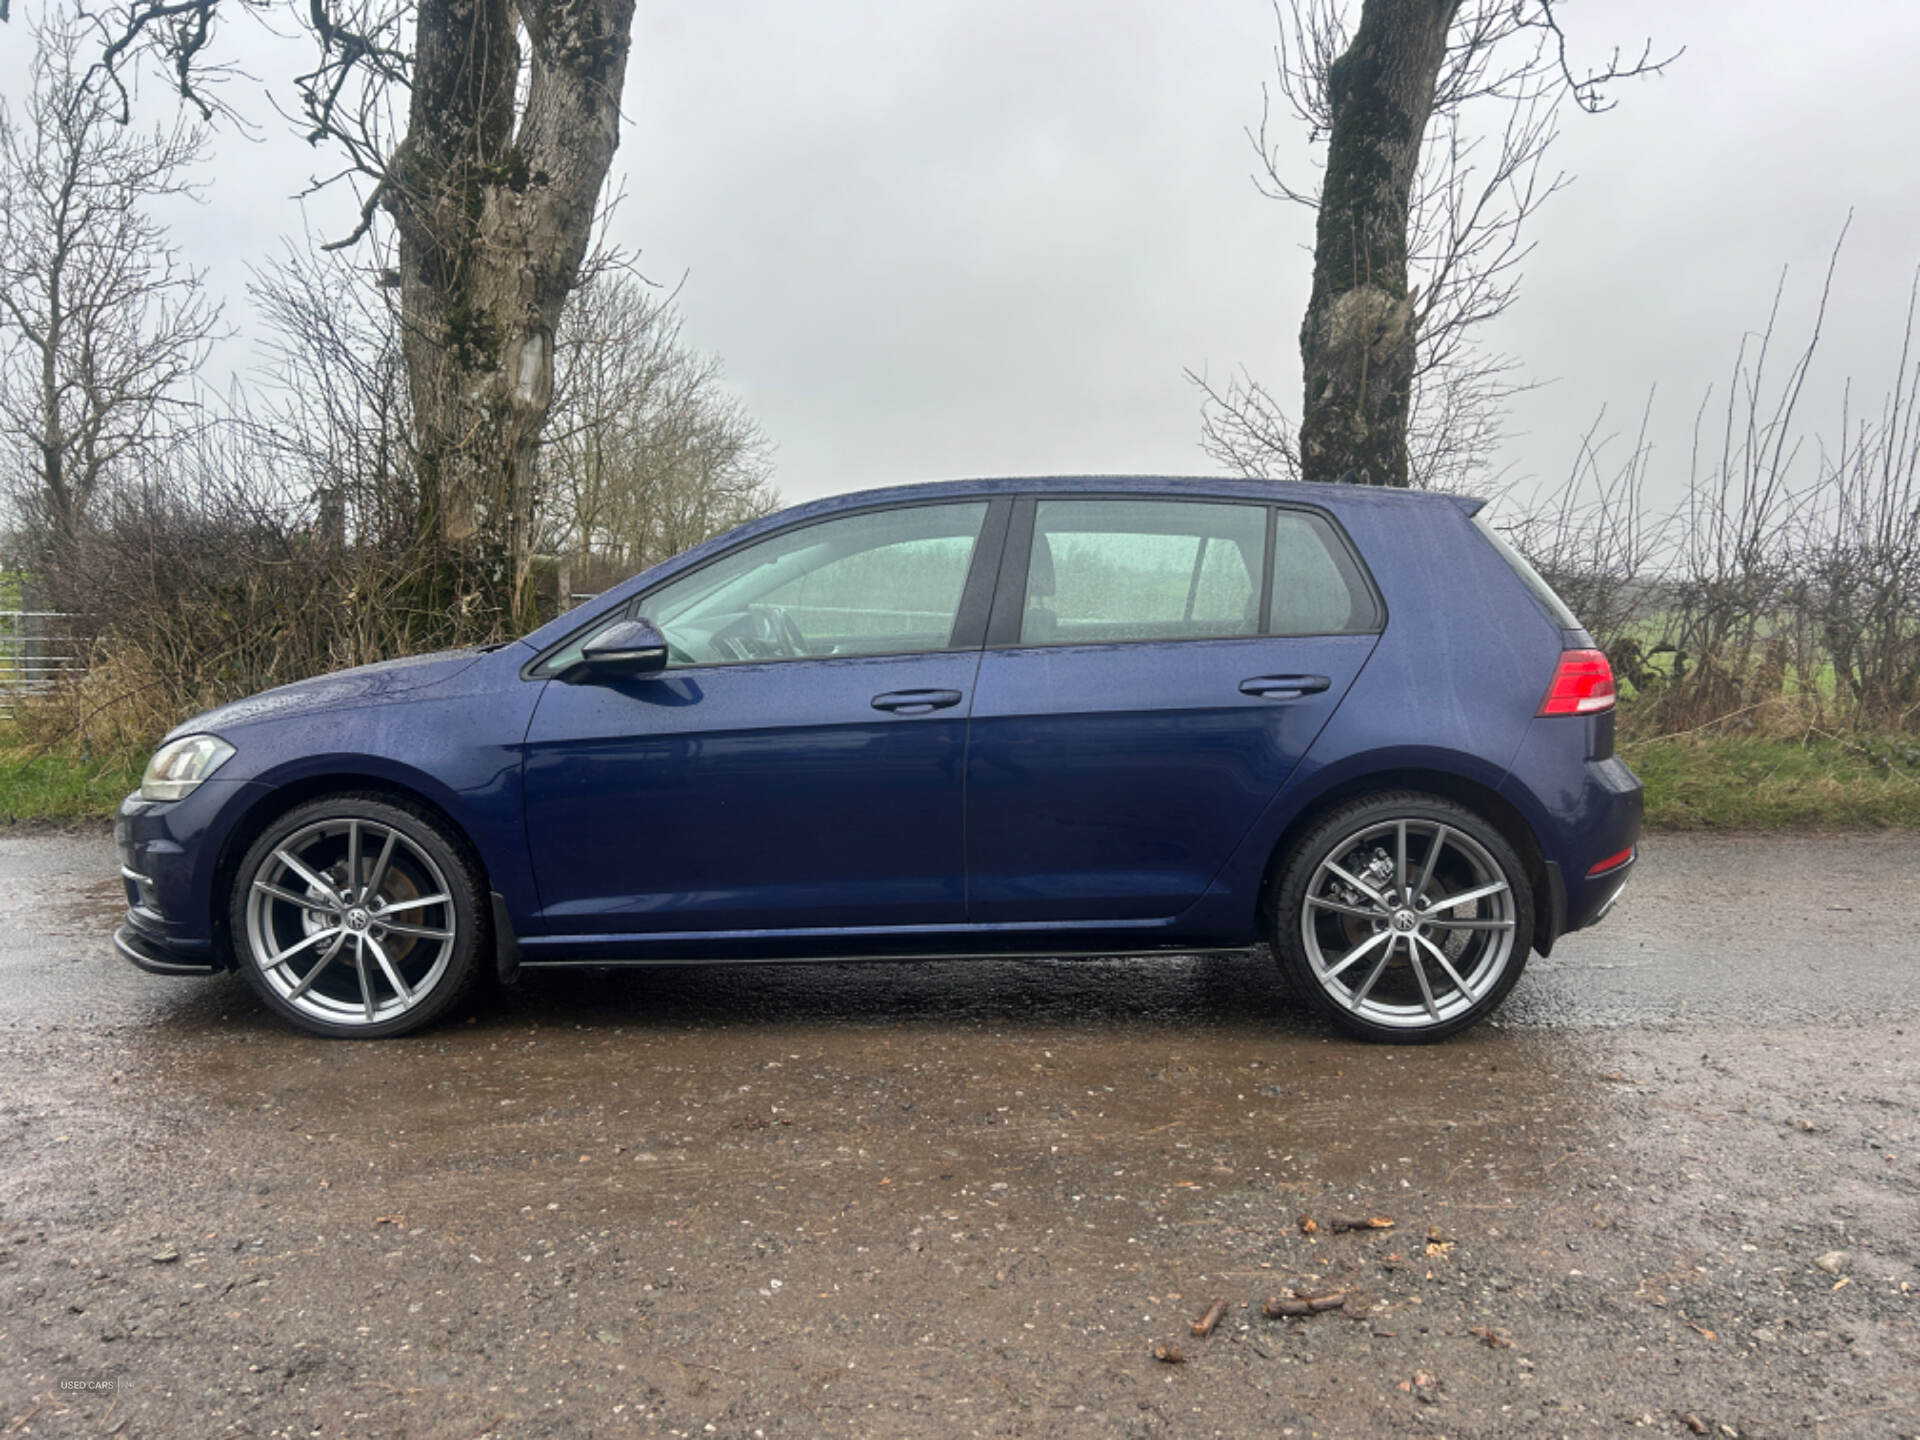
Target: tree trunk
(1357,342)
(57,503)
(494,214)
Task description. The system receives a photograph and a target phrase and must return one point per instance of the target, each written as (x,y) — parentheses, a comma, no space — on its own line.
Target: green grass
(59,786)
(1699,782)
(1711,782)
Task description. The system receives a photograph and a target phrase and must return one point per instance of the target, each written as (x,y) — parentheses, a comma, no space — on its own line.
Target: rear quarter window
(1318,588)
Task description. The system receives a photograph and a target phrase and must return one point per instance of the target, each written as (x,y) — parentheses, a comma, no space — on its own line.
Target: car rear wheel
(357,916)
(1403,917)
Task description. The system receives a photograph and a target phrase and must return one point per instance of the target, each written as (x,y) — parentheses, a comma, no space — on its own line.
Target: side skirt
(651,962)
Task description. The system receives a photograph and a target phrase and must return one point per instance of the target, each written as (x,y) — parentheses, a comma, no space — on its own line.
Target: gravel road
(1675,1190)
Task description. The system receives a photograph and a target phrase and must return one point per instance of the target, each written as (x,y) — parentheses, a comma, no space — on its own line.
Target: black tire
(432,854)
(1485,941)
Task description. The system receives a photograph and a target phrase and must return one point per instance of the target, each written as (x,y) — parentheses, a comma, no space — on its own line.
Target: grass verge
(1712,782)
(56,786)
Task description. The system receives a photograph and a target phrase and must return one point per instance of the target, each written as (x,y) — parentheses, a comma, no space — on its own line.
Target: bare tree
(491,180)
(334,408)
(1438,116)
(101,325)
(646,455)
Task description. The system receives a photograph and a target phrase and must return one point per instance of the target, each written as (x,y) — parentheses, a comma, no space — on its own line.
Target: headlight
(179,765)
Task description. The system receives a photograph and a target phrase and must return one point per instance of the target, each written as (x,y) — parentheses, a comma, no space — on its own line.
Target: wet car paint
(780,824)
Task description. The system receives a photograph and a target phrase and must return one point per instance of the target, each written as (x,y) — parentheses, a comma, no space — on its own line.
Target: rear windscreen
(1555,605)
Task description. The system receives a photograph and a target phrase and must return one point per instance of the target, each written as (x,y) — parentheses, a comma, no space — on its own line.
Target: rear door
(1155,669)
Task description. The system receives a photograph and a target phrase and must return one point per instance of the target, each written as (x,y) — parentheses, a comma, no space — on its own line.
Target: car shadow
(1174,991)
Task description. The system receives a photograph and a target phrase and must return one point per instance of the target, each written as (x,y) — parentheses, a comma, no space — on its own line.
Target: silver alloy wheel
(350,922)
(1408,923)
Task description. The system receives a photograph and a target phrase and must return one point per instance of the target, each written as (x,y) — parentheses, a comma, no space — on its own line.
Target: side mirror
(630,647)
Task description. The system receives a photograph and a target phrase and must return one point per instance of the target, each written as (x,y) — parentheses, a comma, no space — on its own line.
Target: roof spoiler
(1470,505)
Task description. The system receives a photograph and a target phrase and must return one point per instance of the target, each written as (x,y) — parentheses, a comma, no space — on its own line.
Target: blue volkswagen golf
(1006,717)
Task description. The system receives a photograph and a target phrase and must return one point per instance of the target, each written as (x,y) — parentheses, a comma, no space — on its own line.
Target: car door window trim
(1266,571)
(1000,586)
(1010,596)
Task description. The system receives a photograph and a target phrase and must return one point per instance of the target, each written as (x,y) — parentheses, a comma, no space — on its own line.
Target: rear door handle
(1284,687)
(916,702)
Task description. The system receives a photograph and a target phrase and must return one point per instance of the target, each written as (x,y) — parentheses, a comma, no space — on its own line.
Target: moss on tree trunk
(494,204)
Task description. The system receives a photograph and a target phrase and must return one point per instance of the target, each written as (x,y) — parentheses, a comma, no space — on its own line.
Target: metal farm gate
(37,648)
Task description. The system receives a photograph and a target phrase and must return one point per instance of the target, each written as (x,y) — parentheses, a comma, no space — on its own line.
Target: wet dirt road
(1676,1191)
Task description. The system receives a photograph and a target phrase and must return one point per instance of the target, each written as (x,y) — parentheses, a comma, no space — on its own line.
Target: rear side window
(1556,607)
(1110,570)
(1317,588)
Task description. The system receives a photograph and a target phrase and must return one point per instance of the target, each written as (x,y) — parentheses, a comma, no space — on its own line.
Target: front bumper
(137,949)
(166,852)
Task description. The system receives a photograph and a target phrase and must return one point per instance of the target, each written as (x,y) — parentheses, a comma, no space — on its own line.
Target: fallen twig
(1205,1325)
(1339,1225)
(1279,1307)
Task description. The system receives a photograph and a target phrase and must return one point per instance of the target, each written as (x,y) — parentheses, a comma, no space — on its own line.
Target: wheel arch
(272,803)
(1475,795)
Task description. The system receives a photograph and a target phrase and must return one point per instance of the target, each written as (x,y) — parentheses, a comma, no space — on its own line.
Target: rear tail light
(1582,685)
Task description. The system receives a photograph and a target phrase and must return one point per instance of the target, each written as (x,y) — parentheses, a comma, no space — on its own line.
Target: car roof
(1332,496)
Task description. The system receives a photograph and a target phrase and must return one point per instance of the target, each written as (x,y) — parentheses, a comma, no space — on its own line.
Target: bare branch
(1589,90)
(1245,430)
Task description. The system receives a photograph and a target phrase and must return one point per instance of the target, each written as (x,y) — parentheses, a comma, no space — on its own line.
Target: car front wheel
(1403,917)
(356,916)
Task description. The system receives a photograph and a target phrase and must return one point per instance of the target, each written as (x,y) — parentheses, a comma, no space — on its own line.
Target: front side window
(881,583)
(1111,570)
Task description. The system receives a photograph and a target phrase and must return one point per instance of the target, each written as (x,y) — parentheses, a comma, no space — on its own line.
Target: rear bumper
(1603,891)
(1608,825)
(1583,812)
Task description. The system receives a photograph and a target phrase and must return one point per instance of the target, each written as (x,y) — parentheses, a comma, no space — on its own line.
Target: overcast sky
(939,238)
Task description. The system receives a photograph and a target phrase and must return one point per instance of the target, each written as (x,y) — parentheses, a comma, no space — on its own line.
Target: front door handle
(1283,687)
(916,702)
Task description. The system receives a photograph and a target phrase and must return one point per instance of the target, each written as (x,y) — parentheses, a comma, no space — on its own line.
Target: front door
(799,763)
(1146,695)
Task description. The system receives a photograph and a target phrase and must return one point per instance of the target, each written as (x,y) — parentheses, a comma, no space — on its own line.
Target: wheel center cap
(358,919)
(1404,921)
